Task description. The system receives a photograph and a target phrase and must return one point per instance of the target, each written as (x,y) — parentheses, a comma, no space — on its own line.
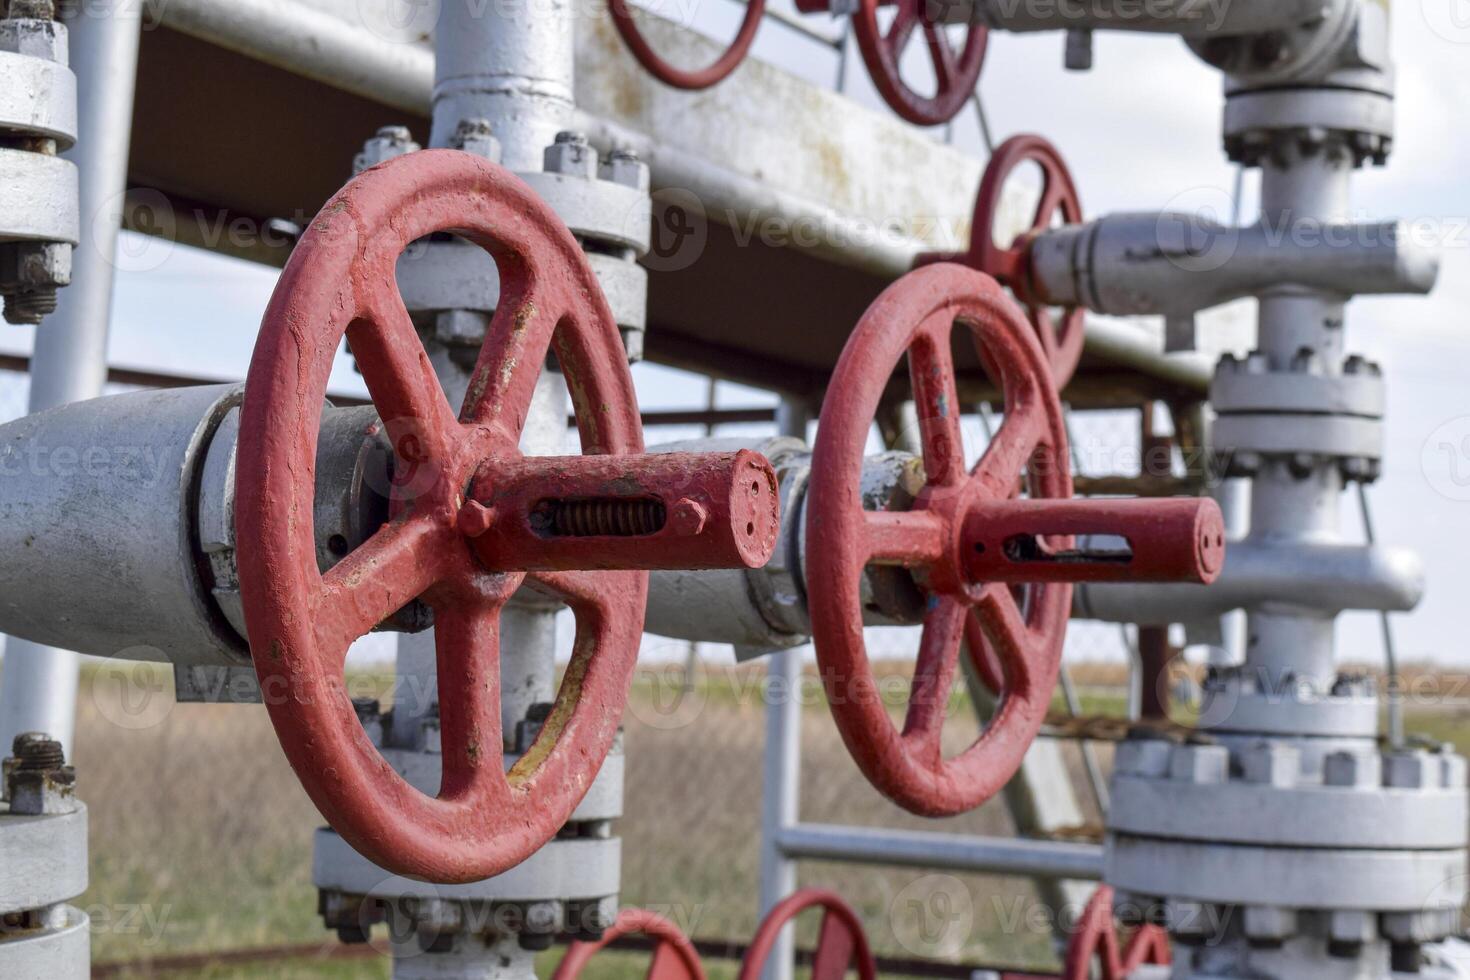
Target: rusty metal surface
(1011,264)
(340,280)
(1096,942)
(674,956)
(842,945)
(959,539)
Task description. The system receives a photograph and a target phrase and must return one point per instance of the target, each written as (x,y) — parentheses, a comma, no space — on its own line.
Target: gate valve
(1061,339)
(674,956)
(956,72)
(842,945)
(691,79)
(614,510)
(996,571)
(1096,941)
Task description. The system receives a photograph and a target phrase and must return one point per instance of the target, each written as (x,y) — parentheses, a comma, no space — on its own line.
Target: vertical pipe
(38,688)
(781,805)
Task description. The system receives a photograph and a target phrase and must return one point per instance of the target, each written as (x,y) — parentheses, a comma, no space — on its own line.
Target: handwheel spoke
(1053,196)
(1011,450)
(582,591)
(389,570)
(511,359)
(467,644)
(399,377)
(902,28)
(941,54)
(931,373)
(934,676)
(911,538)
(1011,639)
(835,947)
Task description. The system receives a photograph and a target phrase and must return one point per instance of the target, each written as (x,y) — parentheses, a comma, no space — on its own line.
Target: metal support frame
(38,687)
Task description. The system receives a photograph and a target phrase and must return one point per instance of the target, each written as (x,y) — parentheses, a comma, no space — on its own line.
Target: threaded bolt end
(30,307)
(36,752)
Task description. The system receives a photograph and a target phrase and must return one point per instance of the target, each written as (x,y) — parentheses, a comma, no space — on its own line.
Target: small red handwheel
(955,72)
(915,317)
(1062,340)
(340,280)
(1096,940)
(687,78)
(842,945)
(674,956)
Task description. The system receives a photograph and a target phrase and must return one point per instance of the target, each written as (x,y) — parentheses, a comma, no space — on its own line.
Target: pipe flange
(41,203)
(1237,391)
(565,869)
(45,860)
(1307,50)
(453,274)
(39,98)
(60,948)
(1262,124)
(1292,436)
(1272,796)
(779,589)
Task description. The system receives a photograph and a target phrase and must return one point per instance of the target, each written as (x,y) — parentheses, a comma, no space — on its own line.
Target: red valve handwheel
(1096,940)
(1011,264)
(842,945)
(674,956)
(340,280)
(687,78)
(955,73)
(915,316)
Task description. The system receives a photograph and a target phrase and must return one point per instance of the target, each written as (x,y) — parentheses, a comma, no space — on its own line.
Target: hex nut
(1452,769)
(387,143)
(1410,770)
(688,517)
(34,37)
(1146,757)
(478,137)
(1352,927)
(624,167)
(570,155)
(1272,764)
(1200,764)
(1352,770)
(1269,923)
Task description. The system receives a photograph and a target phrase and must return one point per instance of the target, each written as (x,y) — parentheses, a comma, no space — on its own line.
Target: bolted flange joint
(38,780)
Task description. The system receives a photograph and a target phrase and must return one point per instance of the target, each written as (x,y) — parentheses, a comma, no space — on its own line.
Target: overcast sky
(1141,132)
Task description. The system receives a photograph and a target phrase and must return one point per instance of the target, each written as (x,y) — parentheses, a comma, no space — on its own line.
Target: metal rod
(1390,653)
(38,689)
(781,804)
(949,852)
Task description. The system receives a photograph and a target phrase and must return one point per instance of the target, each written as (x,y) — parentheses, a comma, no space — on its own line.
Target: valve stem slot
(616,517)
(1097,549)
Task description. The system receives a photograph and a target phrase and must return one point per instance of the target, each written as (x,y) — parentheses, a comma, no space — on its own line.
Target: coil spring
(618,518)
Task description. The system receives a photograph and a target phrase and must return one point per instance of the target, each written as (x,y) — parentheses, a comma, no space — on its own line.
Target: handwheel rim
(485,820)
(908,766)
(842,942)
(691,79)
(681,962)
(1062,339)
(955,78)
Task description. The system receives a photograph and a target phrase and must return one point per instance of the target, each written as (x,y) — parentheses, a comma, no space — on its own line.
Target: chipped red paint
(1011,264)
(674,956)
(340,280)
(687,78)
(1096,940)
(842,945)
(1013,634)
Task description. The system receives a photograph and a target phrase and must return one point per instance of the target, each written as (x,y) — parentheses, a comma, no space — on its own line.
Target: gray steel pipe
(946,852)
(1315,578)
(1175,263)
(1187,18)
(38,688)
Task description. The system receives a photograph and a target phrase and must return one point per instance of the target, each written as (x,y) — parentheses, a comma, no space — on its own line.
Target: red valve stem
(1179,539)
(653,511)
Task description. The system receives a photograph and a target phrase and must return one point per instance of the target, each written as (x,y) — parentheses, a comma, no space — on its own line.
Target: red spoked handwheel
(687,78)
(955,72)
(674,956)
(1096,940)
(966,540)
(842,945)
(443,544)
(1011,264)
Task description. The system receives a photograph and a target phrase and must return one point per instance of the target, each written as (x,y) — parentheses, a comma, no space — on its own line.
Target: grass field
(201,836)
